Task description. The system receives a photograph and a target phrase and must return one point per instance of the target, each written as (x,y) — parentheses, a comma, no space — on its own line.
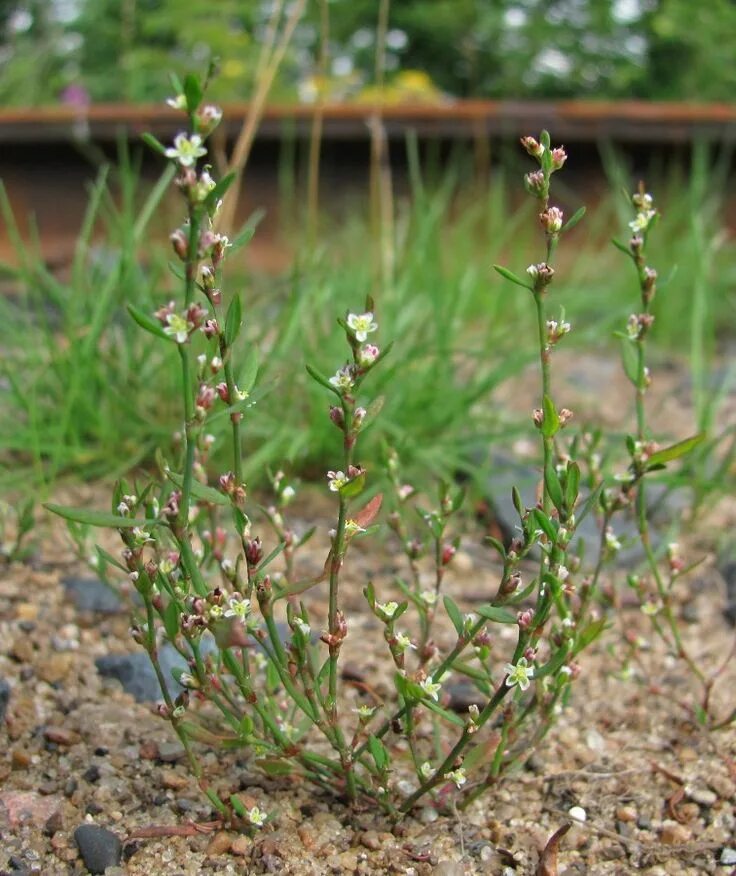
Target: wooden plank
(581,121)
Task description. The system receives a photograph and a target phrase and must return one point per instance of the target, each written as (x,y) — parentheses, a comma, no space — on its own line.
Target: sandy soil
(658,792)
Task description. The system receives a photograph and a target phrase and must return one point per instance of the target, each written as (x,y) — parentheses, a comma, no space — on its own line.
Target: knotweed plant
(656,585)
(260,674)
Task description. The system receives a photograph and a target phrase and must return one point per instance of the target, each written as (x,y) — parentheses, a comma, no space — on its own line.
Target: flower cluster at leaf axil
(220,579)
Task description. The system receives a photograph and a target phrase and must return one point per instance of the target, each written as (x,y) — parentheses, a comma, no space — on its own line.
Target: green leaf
(193,92)
(245,235)
(353,487)
(274,766)
(249,372)
(496,545)
(574,219)
(516,499)
(369,592)
(153,143)
(147,322)
(544,139)
(675,451)
(109,558)
(589,634)
(622,247)
(216,193)
(238,806)
(170,618)
(200,491)
(544,523)
(553,664)
(452,717)
(572,486)
(630,360)
(323,381)
(455,615)
(378,752)
(551,421)
(589,504)
(99,518)
(497,614)
(510,275)
(554,487)
(233,320)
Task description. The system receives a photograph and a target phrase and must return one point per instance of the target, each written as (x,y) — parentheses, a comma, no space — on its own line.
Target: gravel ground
(76,750)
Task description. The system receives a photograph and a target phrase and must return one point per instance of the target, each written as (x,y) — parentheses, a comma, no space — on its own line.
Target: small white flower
(365,713)
(343,379)
(426,769)
(388,609)
(215,612)
(612,543)
(303,627)
(257,817)
(519,674)
(457,776)
(336,480)
(403,642)
(563,573)
(642,221)
(431,688)
(179,102)
(361,325)
(650,608)
(352,527)
(429,597)
(186,150)
(177,327)
(287,494)
(238,607)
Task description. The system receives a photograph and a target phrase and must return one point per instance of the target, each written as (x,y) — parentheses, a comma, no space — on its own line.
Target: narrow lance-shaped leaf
(574,219)
(675,451)
(153,143)
(192,92)
(497,614)
(453,612)
(99,518)
(233,320)
(323,381)
(147,322)
(552,482)
(510,275)
(551,421)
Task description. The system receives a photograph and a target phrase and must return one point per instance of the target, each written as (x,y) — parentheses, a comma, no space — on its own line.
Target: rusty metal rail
(581,121)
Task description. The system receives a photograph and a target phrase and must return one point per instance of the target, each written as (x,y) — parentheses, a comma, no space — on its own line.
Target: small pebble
(241,845)
(370,840)
(170,752)
(728,857)
(219,844)
(99,847)
(673,834)
(702,796)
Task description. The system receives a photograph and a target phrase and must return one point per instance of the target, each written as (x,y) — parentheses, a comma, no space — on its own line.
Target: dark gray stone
(506,472)
(91,594)
(136,674)
(728,570)
(99,847)
(4,697)
(462,695)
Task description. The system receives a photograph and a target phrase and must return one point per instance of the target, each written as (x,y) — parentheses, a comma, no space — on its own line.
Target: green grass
(90,394)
